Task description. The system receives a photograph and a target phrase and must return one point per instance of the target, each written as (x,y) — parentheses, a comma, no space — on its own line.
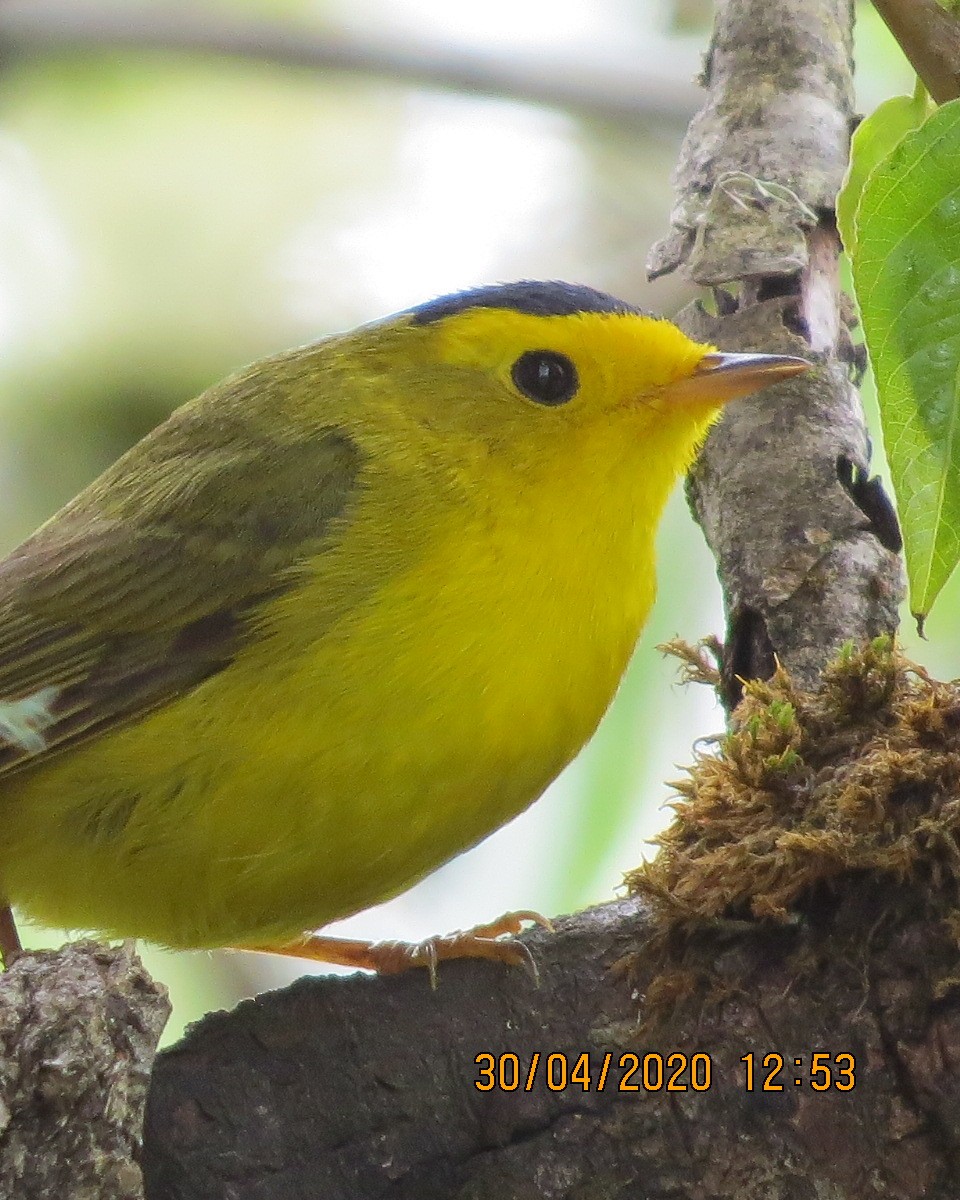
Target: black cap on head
(550,299)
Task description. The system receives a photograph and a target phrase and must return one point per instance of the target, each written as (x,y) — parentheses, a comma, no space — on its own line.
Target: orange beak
(721,377)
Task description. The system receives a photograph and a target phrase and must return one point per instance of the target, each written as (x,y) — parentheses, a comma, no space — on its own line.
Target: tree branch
(806,542)
(355,1089)
(930,37)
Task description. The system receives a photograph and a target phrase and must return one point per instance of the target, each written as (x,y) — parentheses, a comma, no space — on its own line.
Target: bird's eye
(545,376)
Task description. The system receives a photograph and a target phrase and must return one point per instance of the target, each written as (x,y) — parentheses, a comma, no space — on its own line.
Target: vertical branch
(806,543)
(930,37)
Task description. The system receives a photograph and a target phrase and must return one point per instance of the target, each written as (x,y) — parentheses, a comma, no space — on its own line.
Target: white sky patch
(532,23)
(36,262)
(23,721)
(472,184)
(527,25)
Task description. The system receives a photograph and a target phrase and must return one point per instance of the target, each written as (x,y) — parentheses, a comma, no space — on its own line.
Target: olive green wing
(150,581)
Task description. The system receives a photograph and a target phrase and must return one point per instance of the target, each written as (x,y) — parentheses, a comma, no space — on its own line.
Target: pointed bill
(721,377)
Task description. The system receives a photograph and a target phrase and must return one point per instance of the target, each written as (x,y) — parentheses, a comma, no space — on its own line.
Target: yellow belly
(296,788)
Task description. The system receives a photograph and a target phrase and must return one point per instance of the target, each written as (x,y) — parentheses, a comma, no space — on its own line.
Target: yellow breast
(327,773)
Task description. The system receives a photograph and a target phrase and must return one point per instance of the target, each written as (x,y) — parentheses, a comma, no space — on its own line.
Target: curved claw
(491,941)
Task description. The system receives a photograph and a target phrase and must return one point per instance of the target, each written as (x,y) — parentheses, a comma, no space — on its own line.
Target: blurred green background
(168,214)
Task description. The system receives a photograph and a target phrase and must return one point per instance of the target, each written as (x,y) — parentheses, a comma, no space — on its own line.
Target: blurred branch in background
(618,92)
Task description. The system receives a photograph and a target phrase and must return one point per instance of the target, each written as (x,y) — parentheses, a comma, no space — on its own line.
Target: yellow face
(619,361)
(531,389)
(538,382)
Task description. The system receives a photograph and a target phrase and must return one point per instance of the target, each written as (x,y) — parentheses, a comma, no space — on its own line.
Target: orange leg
(10,944)
(390,958)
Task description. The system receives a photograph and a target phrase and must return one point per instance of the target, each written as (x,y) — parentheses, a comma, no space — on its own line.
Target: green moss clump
(808,796)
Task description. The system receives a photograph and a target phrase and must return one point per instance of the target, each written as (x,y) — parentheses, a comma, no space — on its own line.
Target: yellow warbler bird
(340,617)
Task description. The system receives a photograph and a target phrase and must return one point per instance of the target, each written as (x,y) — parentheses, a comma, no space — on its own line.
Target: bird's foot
(489,941)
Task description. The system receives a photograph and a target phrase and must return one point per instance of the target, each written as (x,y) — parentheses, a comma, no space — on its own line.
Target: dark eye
(545,376)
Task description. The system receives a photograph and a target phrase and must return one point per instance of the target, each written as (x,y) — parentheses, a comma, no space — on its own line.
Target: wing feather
(144,585)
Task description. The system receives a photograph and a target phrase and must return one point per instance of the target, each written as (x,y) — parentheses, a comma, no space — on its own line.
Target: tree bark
(79,1028)
(806,542)
(355,1089)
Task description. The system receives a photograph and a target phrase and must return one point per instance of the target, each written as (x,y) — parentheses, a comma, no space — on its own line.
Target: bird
(340,617)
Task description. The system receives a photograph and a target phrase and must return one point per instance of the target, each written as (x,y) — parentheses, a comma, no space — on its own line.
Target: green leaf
(873,140)
(906,272)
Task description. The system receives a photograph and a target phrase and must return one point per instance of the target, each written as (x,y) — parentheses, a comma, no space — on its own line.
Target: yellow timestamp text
(820,1071)
(676,1071)
(626,1072)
